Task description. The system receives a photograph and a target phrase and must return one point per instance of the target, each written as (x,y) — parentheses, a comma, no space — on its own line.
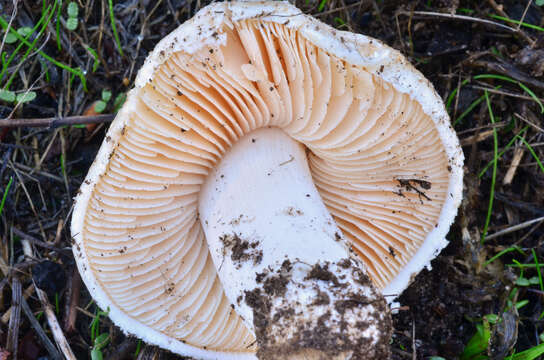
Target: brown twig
(496,125)
(60,227)
(30,202)
(414,349)
(337,9)
(457,17)
(538,128)
(7,315)
(517,227)
(31,170)
(510,70)
(498,8)
(502,92)
(54,325)
(51,349)
(72,302)
(15,318)
(37,242)
(480,136)
(54,122)
(32,319)
(511,172)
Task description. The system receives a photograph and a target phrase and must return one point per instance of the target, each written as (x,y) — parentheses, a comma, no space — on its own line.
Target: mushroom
(267,184)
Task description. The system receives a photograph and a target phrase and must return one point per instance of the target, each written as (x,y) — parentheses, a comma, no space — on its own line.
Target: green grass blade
(5,196)
(494,175)
(469,109)
(496,77)
(454,92)
(517,22)
(508,146)
(96,61)
(524,266)
(34,42)
(478,343)
(538,270)
(6,64)
(530,354)
(501,253)
(532,94)
(76,72)
(321,5)
(513,81)
(535,156)
(57,26)
(114,29)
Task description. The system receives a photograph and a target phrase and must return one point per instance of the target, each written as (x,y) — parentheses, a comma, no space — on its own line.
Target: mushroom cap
(383,155)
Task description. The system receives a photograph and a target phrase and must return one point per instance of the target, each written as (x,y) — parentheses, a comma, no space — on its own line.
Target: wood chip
(476,138)
(518,155)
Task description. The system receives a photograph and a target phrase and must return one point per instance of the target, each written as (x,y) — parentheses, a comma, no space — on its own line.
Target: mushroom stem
(282,260)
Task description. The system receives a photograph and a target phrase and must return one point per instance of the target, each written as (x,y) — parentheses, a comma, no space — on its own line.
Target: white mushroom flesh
(281,258)
(376,157)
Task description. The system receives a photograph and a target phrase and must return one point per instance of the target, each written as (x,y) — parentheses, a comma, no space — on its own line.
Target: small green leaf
(138,348)
(26,97)
(522,282)
(99,106)
(119,101)
(521,303)
(10,38)
(106,95)
(478,343)
(71,24)
(339,21)
(492,318)
(7,96)
(73,10)
(96,354)
(101,341)
(529,354)
(24,31)
(321,5)
(539,2)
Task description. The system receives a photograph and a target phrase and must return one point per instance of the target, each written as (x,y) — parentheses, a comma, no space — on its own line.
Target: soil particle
(241,250)
(283,327)
(322,298)
(320,272)
(276,285)
(415,185)
(261,308)
(356,300)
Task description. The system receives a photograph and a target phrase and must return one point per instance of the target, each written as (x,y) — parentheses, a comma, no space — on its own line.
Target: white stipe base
(281,258)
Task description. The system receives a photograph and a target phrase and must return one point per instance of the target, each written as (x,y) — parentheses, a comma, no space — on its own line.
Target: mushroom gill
(376,157)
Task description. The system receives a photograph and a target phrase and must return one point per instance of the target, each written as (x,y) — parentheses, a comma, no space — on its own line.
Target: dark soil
(283,328)
(439,312)
(241,250)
